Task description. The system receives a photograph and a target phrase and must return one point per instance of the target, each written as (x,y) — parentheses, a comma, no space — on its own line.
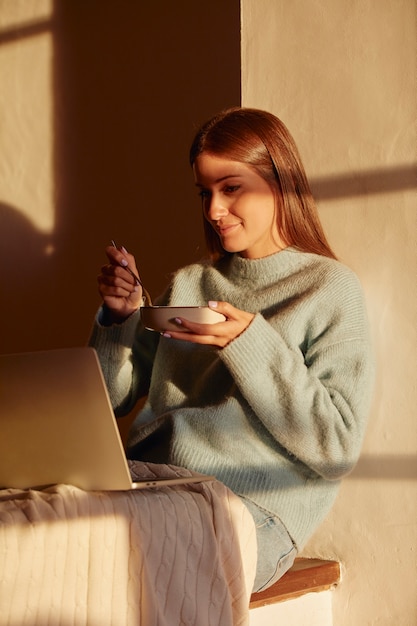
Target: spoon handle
(148,299)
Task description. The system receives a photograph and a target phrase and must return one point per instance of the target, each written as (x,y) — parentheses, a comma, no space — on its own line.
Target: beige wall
(99,101)
(343,75)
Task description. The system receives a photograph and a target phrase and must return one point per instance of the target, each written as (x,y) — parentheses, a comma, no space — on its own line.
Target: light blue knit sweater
(279,414)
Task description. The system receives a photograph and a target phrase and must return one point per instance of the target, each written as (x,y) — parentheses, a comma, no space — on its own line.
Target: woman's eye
(204,194)
(231,188)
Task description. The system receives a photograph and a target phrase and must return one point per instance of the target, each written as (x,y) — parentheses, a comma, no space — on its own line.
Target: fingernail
(212,304)
(123,249)
(178,321)
(165,334)
(123,262)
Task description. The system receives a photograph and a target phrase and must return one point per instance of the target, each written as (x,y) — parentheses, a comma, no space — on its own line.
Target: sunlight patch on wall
(26,111)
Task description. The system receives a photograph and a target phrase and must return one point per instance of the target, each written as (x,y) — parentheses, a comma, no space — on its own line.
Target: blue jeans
(276,550)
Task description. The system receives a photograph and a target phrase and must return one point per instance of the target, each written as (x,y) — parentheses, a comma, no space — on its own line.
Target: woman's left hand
(218,334)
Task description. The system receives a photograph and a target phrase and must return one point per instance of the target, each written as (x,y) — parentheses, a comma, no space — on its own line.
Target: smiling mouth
(224,230)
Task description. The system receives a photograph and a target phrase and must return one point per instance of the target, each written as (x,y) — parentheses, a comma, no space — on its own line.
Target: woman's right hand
(121,294)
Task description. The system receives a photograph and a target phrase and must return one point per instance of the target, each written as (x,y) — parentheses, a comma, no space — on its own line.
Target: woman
(273,401)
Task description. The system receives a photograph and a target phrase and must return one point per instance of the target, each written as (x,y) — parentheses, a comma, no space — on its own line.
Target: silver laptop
(57,425)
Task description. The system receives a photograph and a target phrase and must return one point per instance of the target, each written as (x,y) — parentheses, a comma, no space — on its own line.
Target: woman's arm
(126,353)
(125,350)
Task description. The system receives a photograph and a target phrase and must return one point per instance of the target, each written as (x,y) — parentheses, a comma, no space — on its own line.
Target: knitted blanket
(171,556)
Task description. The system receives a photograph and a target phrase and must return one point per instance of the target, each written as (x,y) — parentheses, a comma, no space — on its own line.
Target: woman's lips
(227,228)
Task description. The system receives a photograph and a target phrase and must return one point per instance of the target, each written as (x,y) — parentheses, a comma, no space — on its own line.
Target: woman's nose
(215,209)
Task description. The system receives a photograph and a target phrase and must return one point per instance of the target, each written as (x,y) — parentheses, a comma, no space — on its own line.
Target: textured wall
(343,75)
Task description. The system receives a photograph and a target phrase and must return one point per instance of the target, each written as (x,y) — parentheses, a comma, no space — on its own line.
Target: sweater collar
(263,270)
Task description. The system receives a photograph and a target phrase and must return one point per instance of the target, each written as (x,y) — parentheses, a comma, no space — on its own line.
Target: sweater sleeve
(126,353)
(312,397)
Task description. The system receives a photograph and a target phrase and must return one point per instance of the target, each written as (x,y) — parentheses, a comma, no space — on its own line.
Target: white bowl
(162,318)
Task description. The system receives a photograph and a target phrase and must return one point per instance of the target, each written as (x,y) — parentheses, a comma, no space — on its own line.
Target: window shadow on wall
(386,467)
(365,182)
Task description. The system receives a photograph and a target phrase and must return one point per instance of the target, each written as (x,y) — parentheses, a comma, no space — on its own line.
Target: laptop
(57,425)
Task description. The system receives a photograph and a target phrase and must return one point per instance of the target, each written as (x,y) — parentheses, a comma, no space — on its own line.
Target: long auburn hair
(260,140)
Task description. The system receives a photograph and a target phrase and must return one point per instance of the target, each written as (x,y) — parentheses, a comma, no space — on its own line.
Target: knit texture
(279,414)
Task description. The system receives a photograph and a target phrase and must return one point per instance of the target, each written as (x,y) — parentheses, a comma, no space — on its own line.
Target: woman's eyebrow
(221,179)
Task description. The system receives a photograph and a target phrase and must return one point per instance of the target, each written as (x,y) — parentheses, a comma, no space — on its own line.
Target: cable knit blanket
(171,556)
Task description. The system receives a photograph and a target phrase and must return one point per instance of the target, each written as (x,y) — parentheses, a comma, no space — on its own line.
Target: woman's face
(239,204)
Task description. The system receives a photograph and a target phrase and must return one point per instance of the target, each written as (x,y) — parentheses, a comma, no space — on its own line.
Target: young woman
(272,401)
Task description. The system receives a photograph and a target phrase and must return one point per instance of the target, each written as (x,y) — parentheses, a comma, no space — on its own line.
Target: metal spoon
(147,297)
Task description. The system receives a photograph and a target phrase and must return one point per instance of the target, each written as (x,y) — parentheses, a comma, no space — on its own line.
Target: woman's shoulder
(193,269)
(333,295)
(330,270)
(328,282)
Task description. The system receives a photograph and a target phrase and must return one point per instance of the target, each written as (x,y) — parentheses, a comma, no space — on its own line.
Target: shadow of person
(26,274)
(22,243)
